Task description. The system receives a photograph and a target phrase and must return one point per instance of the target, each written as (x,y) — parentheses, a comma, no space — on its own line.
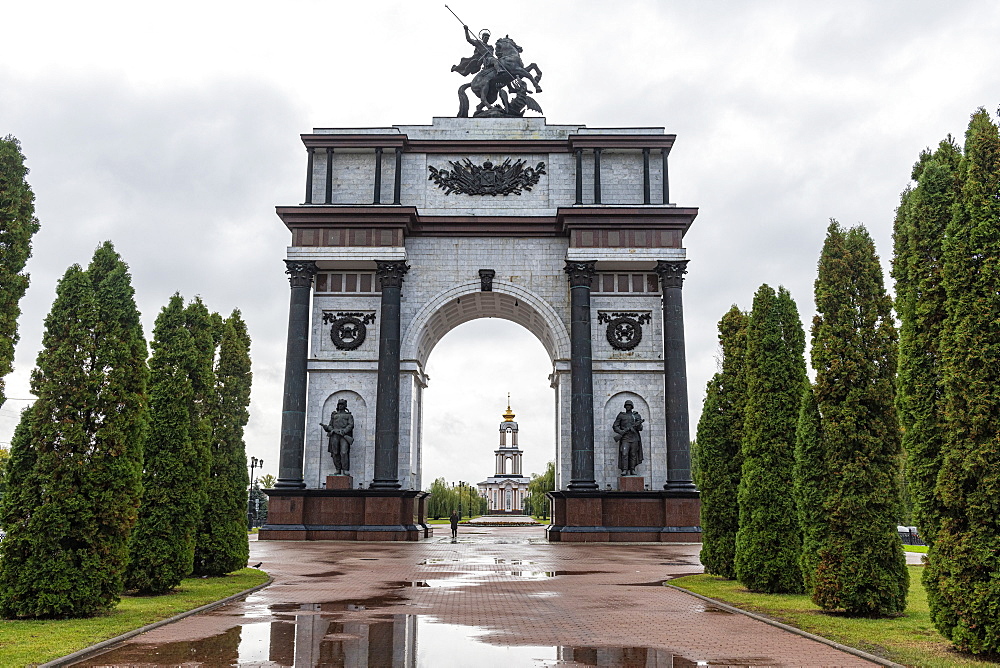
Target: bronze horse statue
(503,70)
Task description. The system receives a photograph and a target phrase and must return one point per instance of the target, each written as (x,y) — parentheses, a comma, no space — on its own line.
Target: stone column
(581,277)
(293,407)
(390,274)
(675,377)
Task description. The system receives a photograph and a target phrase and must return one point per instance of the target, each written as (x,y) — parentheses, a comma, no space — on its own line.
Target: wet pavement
(496,597)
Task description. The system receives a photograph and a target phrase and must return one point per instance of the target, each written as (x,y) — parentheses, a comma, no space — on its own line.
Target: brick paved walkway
(498,597)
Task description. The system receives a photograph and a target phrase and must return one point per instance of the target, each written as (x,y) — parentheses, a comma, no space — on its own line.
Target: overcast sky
(172,129)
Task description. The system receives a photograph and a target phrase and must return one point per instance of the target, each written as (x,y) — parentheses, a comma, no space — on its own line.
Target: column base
(345,514)
(285,483)
(619,517)
(680,486)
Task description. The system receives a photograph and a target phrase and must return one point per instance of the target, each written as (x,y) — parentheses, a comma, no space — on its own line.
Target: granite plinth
(655,516)
(631,483)
(345,514)
(340,482)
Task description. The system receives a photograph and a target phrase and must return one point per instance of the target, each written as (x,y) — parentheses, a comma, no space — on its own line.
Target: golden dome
(509,415)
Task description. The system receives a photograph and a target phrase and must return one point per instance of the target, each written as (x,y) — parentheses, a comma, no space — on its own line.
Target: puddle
(325,574)
(718,611)
(437,561)
(409,641)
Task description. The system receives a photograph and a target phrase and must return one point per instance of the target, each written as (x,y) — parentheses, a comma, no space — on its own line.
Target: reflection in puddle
(712,608)
(322,635)
(437,561)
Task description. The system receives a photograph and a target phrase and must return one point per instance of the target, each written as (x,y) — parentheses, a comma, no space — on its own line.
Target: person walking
(454,524)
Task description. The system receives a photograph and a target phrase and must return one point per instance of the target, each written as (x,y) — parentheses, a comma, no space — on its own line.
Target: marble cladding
(443,270)
(354,181)
(442,290)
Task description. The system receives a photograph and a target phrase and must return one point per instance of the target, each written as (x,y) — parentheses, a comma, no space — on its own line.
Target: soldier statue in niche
(627,426)
(341,433)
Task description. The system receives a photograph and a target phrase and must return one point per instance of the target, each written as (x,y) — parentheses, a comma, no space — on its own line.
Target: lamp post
(251,516)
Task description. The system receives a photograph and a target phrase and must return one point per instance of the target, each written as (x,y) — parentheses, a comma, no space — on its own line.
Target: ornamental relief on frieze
(468,178)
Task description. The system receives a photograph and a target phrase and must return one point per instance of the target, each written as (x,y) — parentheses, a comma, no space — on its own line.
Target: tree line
(128,472)
(462,498)
(803,482)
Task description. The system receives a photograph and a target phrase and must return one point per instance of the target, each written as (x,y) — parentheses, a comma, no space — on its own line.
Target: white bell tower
(507,488)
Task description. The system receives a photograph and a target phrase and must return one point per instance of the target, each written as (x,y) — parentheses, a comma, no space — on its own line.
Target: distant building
(507,488)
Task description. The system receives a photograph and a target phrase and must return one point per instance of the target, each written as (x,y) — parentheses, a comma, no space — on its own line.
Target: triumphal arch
(406,232)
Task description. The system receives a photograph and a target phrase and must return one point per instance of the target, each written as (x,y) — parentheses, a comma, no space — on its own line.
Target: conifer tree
(811,477)
(861,568)
(17,225)
(963,572)
(85,433)
(16,513)
(206,329)
(720,433)
(162,546)
(768,540)
(222,544)
(919,233)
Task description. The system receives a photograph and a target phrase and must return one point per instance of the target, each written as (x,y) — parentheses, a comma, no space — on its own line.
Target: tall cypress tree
(768,540)
(963,572)
(22,497)
(206,330)
(861,566)
(811,477)
(222,544)
(162,546)
(919,234)
(720,433)
(85,432)
(17,225)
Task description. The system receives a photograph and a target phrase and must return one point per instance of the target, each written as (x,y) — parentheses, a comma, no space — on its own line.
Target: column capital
(581,273)
(300,272)
(391,272)
(671,272)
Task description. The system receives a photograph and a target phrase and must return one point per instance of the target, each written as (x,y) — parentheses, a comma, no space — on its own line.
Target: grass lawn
(910,639)
(37,641)
(915,548)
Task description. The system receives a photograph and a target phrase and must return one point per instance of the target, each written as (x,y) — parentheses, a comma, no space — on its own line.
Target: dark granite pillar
(581,277)
(309,176)
(377,196)
(675,377)
(597,176)
(397,177)
(387,392)
(293,407)
(645,176)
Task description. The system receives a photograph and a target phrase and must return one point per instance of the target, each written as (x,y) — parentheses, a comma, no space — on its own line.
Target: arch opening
(469,375)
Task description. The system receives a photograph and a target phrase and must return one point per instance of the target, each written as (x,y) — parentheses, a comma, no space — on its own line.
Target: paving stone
(509,590)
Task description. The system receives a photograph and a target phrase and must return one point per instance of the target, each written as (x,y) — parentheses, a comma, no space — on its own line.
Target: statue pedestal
(340,482)
(624,517)
(631,483)
(345,514)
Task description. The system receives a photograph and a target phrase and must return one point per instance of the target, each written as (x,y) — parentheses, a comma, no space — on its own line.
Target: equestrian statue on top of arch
(498,70)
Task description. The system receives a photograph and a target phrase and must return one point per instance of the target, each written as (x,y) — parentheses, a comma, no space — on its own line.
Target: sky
(172,130)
